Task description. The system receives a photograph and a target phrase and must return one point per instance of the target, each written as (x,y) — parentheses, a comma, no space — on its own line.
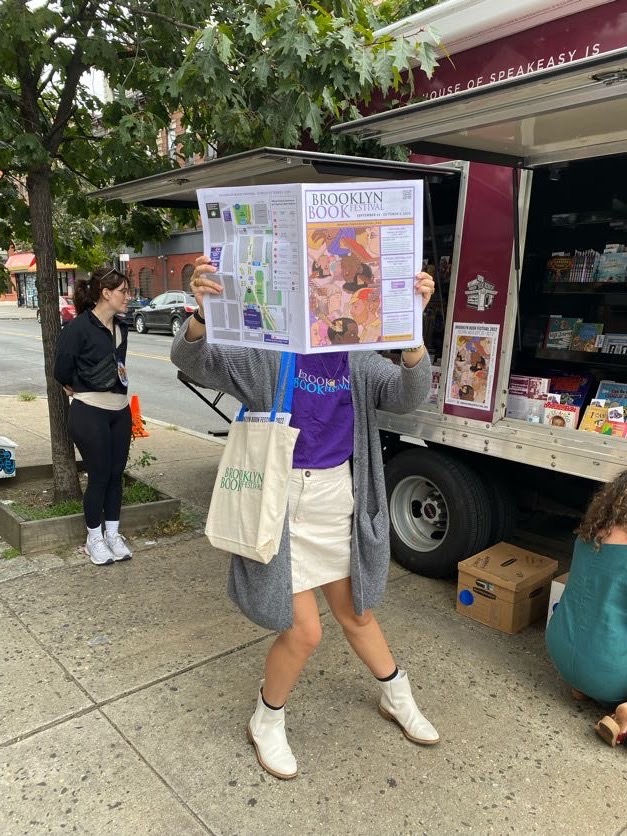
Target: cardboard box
(505,587)
(7,457)
(557,588)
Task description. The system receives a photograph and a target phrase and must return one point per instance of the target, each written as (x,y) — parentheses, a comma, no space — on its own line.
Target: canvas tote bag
(249,501)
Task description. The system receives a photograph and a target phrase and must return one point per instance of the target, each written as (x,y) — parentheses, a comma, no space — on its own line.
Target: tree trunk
(64,470)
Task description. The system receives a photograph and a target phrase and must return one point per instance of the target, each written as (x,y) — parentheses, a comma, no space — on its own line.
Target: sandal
(578,695)
(608,730)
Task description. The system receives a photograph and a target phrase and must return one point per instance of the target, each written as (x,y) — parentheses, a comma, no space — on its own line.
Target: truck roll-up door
(573,111)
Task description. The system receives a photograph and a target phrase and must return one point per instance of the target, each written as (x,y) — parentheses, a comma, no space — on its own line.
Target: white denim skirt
(321,521)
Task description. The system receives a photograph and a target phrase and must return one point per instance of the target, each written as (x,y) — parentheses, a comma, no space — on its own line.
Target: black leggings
(103,438)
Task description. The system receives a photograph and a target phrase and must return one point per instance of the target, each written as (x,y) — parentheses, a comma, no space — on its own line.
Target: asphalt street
(152,376)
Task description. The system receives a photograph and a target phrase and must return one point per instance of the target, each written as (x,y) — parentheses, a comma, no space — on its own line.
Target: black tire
(175,325)
(140,324)
(503,510)
(439,512)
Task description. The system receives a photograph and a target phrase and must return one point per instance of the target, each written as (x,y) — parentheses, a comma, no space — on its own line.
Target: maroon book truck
(521,141)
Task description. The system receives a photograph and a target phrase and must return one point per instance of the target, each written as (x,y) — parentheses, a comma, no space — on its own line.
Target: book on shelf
(525,395)
(584,267)
(572,388)
(558,269)
(614,344)
(560,415)
(612,266)
(587,336)
(436,376)
(612,393)
(559,331)
(598,419)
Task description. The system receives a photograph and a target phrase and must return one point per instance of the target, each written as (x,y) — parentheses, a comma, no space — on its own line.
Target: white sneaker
(98,551)
(118,547)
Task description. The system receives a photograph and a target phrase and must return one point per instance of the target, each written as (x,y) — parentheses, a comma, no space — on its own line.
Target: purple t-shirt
(322,410)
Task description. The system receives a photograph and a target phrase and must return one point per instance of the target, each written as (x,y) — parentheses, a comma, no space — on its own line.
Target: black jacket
(86,337)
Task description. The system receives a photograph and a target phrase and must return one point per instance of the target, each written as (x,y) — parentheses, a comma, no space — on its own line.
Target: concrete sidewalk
(10,310)
(125,693)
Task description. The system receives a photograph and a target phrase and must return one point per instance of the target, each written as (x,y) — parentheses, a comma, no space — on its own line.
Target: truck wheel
(503,510)
(439,512)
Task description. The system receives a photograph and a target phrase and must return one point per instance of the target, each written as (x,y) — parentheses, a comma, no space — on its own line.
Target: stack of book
(607,412)
(585,265)
(574,269)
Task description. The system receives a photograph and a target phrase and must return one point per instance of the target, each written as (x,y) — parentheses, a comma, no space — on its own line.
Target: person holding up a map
(336,535)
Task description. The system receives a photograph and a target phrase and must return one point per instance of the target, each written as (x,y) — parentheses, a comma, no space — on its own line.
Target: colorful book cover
(597,419)
(612,392)
(618,429)
(560,330)
(593,419)
(561,415)
(612,267)
(586,336)
(558,269)
(572,388)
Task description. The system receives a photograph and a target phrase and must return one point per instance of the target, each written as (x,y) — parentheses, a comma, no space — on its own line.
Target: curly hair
(607,510)
(87,292)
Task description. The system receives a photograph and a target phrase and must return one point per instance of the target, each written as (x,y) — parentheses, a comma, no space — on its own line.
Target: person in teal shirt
(587,635)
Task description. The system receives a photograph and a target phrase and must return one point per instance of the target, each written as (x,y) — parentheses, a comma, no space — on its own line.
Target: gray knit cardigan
(264,591)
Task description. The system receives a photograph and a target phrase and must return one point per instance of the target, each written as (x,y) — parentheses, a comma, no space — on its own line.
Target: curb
(194,433)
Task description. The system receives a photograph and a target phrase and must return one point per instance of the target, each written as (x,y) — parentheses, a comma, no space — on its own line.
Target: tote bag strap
(285,385)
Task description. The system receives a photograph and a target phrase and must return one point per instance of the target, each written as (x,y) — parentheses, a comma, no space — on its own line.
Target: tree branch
(76,173)
(74,71)
(157,16)
(67,24)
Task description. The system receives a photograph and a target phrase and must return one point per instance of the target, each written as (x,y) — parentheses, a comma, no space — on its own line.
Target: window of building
(186,275)
(146,276)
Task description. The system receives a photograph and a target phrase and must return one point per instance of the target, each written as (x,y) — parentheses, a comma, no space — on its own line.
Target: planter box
(31,536)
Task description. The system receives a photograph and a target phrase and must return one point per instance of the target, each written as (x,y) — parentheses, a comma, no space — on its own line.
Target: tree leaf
(254,27)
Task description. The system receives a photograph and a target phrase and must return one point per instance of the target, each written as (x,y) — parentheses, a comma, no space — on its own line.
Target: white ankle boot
(397,704)
(266,731)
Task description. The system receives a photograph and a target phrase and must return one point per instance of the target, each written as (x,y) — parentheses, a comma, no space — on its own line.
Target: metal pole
(516,218)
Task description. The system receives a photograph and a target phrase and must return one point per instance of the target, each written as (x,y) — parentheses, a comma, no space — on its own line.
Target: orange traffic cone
(137,428)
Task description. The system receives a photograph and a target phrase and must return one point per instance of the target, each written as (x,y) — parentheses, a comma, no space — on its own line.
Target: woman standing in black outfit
(90,365)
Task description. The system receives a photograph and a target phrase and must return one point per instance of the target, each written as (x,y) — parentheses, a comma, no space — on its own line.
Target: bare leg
(367,640)
(291,650)
(621,716)
(362,632)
